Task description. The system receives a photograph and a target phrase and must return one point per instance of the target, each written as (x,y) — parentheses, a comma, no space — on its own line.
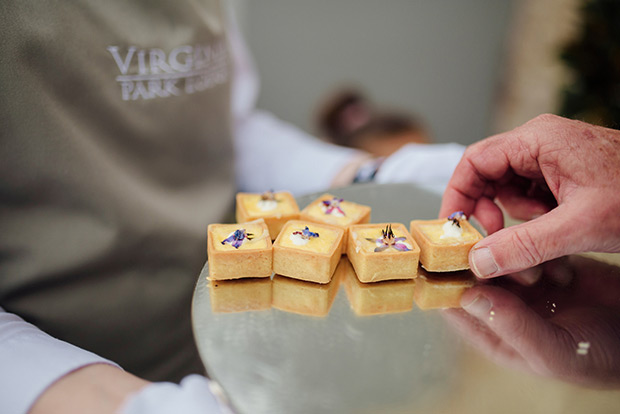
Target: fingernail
(482,262)
(479,307)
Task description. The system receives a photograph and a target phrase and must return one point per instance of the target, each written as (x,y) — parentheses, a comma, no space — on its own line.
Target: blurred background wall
(468,68)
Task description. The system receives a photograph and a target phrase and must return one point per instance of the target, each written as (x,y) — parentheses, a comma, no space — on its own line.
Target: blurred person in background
(399,144)
(348,118)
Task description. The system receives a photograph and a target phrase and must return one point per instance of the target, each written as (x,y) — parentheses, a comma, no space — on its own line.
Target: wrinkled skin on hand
(567,332)
(561,175)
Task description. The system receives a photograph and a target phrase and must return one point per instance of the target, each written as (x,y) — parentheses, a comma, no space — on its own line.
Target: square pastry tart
(382,251)
(441,291)
(388,296)
(275,208)
(239,250)
(337,212)
(445,243)
(307,251)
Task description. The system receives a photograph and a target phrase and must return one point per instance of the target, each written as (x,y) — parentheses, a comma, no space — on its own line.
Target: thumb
(526,245)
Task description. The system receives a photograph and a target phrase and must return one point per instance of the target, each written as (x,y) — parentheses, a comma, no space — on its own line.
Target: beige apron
(115,154)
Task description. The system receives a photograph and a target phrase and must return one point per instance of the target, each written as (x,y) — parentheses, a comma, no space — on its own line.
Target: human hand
(566,332)
(562,175)
(96,388)
(105,389)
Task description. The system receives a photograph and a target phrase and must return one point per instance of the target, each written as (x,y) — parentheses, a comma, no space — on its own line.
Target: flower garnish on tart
(456,217)
(268,196)
(389,240)
(306,234)
(452,227)
(333,207)
(301,238)
(237,238)
(268,201)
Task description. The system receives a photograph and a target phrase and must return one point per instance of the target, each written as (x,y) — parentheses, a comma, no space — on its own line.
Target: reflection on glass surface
(441,290)
(283,362)
(304,298)
(566,325)
(240,295)
(428,291)
(375,298)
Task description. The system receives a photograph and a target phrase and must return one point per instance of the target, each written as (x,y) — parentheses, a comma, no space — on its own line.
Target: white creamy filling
(451,230)
(267,205)
(298,240)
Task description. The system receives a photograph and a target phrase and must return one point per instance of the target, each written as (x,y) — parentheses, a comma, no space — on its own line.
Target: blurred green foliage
(593,57)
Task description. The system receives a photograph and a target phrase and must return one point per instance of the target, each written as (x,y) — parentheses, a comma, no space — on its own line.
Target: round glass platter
(336,360)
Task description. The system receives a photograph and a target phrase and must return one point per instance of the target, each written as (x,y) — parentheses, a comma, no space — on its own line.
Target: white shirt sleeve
(429,166)
(273,155)
(31,361)
(270,153)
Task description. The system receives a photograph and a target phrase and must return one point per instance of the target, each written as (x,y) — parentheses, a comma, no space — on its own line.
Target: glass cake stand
(272,361)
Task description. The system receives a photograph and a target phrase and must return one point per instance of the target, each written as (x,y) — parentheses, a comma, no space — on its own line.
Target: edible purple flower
(237,238)
(333,204)
(389,240)
(268,196)
(306,234)
(456,217)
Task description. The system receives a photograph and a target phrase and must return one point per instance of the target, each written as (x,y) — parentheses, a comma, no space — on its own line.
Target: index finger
(484,166)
